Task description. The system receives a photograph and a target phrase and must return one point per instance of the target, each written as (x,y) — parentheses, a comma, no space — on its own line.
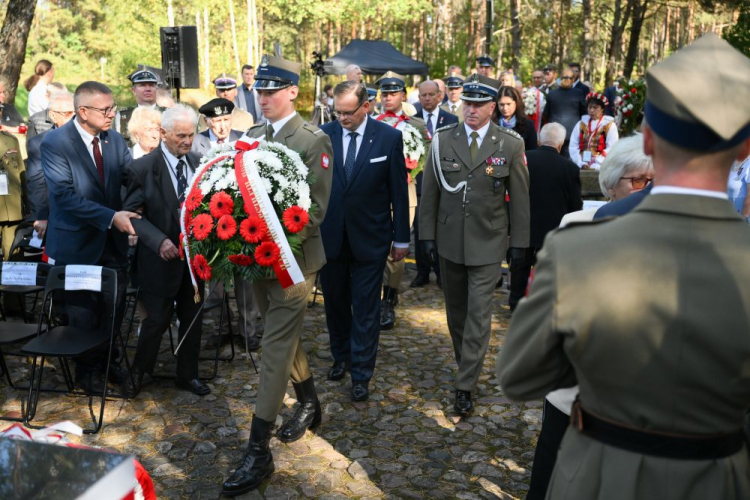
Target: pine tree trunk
(639,15)
(588,63)
(13,37)
(515,31)
(615,43)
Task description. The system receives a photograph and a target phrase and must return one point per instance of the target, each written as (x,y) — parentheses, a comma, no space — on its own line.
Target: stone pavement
(404,442)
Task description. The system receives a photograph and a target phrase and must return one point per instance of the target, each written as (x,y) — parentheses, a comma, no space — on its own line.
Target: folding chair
(22,240)
(65,342)
(316,291)
(15,333)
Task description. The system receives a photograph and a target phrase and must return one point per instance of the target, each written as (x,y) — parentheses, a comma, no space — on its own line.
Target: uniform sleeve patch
(325,161)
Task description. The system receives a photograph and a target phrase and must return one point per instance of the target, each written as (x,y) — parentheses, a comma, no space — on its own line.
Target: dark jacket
(528,133)
(566,107)
(39,122)
(35,183)
(554,190)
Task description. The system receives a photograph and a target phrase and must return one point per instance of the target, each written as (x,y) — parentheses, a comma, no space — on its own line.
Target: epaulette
(447,127)
(311,128)
(512,132)
(256,125)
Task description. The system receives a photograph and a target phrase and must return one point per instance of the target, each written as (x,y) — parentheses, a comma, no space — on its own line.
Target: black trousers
(159,314)
(422,259)
(554,425)
(351,290)
(519,277)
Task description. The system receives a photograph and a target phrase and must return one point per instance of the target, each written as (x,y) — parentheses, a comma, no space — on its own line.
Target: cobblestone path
(404,442)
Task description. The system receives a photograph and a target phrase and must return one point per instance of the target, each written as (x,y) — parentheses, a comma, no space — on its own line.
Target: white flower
(267,185)
(304,196)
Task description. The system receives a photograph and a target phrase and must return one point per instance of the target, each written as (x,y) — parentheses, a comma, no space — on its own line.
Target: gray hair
(625,157)
(178,112)
(553,134)
(61,96)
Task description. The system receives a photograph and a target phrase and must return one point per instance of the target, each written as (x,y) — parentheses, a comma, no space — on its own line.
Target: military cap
(698,98)
(480,88)
(372,92)
(453,82)
(217,107)
(391,82)
(485,61)
(142,75)
(225,81)
(550,67)
(275,73)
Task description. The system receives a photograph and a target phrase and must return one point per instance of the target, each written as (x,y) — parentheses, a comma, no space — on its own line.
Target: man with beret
(485,66)
(283,355)
(661,354)
(144,89)
(218,113)
(454,104)
(226,88)
(393,96)
(467,176)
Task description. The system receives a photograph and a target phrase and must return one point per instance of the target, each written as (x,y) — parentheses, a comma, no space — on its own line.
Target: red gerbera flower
(194,199)
(201,267)
(226,227)
(240,260)
(295,219)
(202,226)
(267,253)
(253,229)
(221,204)
(181,247)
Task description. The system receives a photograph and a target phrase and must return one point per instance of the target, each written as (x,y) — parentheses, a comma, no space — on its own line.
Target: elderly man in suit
(156,188)
(554,190)
(661,354)
(283,355)
(464,214)
(84,163)
(369,179)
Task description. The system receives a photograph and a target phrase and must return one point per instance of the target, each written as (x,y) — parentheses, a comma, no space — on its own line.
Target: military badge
(264,61)
(490,170)
(325,161)
(218,111)
(496,161)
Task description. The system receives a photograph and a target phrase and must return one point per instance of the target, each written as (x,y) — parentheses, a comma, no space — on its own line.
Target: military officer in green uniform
(144,89)
(12,189)
(470,168)
(649,313)
(276,83)
(453,105)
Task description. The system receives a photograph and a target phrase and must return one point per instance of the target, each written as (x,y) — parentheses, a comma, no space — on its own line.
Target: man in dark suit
(554,190)
(84,164)
(156,187)
(369,178)
(247,97)
(577,83)
(434,118)
(60,112)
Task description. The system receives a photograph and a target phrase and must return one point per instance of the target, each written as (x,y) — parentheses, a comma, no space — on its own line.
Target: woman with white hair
(626,170)
(144,129)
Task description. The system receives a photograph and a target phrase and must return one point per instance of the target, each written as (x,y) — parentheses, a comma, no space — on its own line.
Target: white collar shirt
(433,117)
(482,132)
(172,161)
(690,191)
(348,137)
(279,124)
(88,139)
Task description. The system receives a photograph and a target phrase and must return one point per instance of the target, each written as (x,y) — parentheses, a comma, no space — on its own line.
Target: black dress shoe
(387,314)
(463,405)
(132,386)
(360,391)
(193,385)
(439,282)
(307,416)
(91,382)
(337,371)
(117,374)
(257,464)
(420,281)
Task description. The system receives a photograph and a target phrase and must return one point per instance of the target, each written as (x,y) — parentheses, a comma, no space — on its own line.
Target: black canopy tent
(374,57)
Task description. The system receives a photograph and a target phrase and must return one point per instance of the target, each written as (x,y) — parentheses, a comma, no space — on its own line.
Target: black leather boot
(307,416)
(387,315)
(257,463)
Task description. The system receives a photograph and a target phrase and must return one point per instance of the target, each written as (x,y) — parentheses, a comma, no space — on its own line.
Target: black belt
(655,444)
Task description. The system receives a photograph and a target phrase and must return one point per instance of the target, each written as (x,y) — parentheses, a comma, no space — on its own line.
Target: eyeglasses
(349,114)
(638,182)
(104,111)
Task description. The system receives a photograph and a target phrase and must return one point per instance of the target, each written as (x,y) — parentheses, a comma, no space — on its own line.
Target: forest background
(93,39)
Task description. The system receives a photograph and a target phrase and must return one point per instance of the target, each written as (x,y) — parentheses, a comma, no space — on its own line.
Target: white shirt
(172,161)
(482,132)
(348,137)
(432,119)
(38,98)
(88,140)
(277,125)
(137,152)
(683,190)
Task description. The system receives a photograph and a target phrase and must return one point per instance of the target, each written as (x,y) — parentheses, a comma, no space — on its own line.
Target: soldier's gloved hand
(430,249)
(518,256)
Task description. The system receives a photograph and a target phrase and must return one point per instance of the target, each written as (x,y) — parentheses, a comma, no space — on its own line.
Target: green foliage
(739,34)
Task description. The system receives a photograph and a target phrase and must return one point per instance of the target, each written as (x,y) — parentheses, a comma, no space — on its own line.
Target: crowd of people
(478,181)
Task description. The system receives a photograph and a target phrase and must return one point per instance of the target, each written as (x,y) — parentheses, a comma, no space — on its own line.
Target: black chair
(64,342)
(28,253)
(317,290)
(15,333)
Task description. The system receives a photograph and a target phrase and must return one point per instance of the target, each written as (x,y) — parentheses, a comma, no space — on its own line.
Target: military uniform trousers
(283,354)
(394,271)
(468,304)
(8,234)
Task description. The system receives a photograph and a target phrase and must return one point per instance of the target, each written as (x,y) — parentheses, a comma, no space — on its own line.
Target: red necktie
(99,161)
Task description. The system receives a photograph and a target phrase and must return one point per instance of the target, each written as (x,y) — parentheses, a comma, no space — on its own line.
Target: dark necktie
(99,161)
(351,154)
(269,132)
(429,124)
(474,146)
(181,181)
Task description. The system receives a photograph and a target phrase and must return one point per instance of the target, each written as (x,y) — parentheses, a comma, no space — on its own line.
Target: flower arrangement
(245,207)
(529,101)
(414,150)
(629,103)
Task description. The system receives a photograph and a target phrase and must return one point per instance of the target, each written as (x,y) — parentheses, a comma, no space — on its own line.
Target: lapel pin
(493,137)
(371,140)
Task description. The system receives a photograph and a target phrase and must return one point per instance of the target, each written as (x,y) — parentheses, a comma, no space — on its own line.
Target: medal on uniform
(490,170)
